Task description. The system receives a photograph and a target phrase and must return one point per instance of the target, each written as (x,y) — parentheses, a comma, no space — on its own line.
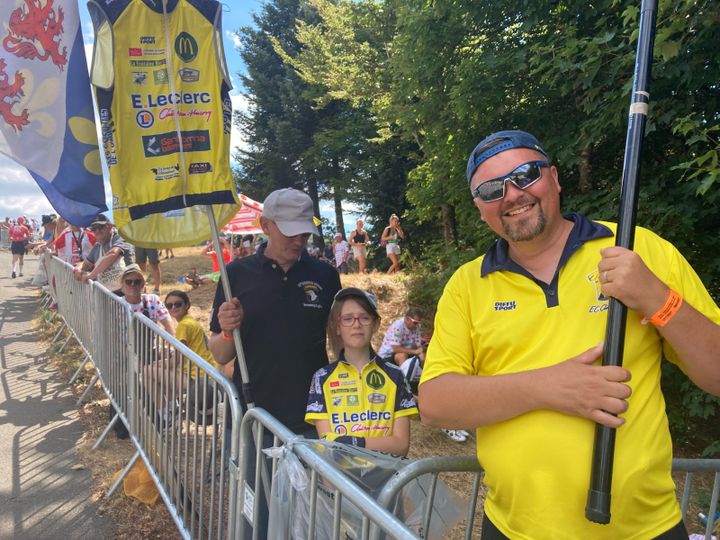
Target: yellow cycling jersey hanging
(162,90)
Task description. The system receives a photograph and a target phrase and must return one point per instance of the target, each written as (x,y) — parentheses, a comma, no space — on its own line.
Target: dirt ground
(137,520)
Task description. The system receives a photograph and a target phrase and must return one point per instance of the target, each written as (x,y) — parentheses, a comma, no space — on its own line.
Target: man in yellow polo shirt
(516,348)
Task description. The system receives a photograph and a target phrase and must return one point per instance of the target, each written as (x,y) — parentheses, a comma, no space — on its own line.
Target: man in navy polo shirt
(281,300)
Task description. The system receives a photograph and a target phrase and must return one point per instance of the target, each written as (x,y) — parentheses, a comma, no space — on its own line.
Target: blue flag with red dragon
(46,113)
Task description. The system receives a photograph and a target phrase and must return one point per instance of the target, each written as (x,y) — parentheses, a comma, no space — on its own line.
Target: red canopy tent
(247,220)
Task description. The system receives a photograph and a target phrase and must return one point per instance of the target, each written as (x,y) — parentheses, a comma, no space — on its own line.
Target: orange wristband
(669,309)
(226,337)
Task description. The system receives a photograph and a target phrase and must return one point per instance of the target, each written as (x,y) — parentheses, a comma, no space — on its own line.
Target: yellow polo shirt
(493,320)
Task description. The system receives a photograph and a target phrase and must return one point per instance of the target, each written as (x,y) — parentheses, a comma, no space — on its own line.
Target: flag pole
(225,281)
(598,500)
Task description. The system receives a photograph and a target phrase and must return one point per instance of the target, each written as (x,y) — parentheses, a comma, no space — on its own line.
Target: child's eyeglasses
(177,304)
(134,282)
(349,320)
(523,176)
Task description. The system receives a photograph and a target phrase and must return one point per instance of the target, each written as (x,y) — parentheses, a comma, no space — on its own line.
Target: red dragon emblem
(10,94)
(34,32)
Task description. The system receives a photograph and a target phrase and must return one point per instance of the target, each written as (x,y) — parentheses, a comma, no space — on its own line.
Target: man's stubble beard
(527,228)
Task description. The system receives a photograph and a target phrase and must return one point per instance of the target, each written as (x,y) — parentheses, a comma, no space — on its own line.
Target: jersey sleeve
(316,407)
(404,401)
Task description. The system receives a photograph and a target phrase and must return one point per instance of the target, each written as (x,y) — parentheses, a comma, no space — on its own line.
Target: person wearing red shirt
(19,235)
(74,244)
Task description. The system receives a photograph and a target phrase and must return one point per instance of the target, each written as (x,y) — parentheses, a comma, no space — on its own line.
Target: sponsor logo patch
(336,401)
(334,384)
(315,406)
(200,168)
(160,76)
(189,74)
(148,63)
(147,40)
(163,144)
(376,398)
(343,375)
(186,47)
(139,77)
(145,119)
(341,430)
(135,51)
(375,379)
(151,101)
(166,173)
(353,401)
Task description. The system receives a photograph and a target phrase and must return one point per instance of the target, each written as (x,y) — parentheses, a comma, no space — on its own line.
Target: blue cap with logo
(499,142)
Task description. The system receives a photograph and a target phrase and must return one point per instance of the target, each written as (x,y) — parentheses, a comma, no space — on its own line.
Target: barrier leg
(77,373)
(62,327)
(123,474)
(107,429)
(87,390)
(67,340)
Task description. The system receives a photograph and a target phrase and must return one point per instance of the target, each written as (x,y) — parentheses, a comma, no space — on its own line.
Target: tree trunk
(449,224)
(313,192)
(338,212)
(585,182)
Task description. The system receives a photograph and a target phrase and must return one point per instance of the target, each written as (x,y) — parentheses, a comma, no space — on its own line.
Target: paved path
(41,495)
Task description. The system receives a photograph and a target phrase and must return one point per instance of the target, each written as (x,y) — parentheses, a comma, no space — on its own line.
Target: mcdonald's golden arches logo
(375,379)
(186,47)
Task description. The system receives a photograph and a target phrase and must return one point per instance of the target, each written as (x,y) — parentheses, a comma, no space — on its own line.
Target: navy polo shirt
(283,329)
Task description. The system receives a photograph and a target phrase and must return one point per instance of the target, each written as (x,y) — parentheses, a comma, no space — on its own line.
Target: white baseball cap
(291,210)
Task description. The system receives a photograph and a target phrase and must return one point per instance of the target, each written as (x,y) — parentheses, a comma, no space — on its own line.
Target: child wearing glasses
(359,399)
(189,332)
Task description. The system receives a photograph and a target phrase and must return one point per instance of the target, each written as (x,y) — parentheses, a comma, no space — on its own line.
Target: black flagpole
(598,501)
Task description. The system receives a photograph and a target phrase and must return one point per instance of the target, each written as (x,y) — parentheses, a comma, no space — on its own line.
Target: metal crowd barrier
(182,414)
(205,462)
(691,467)
(257,424)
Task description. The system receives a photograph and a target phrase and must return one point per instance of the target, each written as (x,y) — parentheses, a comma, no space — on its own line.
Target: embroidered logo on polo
(375,379)
(594,280)
(506,306)
(312,294)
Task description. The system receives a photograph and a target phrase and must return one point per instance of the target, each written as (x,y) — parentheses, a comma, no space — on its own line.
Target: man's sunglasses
(177,304)
(522,176)
(134,282)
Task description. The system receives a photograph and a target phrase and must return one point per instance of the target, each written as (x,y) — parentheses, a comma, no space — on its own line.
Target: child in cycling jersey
(360,399)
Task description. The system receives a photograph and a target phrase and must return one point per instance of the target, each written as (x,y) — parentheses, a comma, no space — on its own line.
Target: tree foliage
(406,88)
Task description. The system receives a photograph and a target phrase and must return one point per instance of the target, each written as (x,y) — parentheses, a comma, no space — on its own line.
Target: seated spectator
(189,332)
(403,339)
(371,384)
(150,305)
(403,345)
